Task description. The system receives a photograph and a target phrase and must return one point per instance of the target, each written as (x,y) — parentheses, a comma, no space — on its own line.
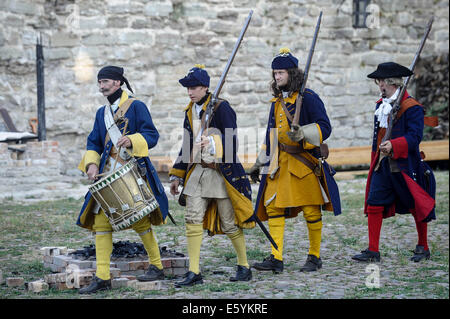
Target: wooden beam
(355,155)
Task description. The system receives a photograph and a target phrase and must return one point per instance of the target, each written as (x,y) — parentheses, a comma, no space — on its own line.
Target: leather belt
(295,151)
(291,149)
(208,165)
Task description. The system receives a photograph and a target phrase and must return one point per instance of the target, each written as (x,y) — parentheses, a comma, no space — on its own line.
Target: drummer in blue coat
(399,181)
(99,159)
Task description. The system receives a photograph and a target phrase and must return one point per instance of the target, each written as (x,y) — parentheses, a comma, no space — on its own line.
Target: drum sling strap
(119,115)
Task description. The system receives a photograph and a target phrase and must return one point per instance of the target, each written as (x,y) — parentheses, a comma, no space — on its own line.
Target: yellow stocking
(103,250)
(313,218)
(194,235)
(238,241)
(144,230)
(152,248)
(276,229)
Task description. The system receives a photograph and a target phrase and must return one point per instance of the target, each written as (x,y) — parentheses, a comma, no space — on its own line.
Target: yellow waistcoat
(294,184)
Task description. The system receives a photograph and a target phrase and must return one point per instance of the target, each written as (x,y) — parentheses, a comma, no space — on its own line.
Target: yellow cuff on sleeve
(139,146)
(90,157)
(177,172)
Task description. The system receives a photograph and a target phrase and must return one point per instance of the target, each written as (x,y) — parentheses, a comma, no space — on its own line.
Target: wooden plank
(355,155)
(435,150)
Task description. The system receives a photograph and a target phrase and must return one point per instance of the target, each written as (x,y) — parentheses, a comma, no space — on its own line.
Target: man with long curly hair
(294,177)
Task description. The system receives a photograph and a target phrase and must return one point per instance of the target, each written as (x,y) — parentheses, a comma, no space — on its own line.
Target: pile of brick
(68,272)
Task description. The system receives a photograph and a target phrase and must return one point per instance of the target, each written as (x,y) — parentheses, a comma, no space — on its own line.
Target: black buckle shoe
(420,253)
(312,264)
(190,280)
(367,255)
(270,263)
(97,284)
(242,274)
(152,274)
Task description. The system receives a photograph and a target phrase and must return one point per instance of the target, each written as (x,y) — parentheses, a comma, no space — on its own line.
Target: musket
(396,107)
(214,99)
(215,94)
(392,117)
(306,72)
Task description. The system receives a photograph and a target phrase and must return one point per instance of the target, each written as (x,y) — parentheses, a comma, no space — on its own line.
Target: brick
(181,262)
(48,259)
(55,278)
(123,265)
(15,281)
(37,286)
(115,272)
(135,272)
(132,283)
(53,251)
(82,264)
(129,277)
(148,285)
(62,260)
(78,279)
(138,265)
(179,271)
(119,282)
(166,262)
(54,268)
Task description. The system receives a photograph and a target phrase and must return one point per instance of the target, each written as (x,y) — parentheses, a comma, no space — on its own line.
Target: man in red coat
(399,181)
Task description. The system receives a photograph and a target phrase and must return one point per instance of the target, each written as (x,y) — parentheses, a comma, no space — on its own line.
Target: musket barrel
(311,52)
(306,72)
(396,106)
(233,54)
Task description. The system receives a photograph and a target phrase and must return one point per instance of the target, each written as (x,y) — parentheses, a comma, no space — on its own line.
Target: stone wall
(158,41)
(34,171)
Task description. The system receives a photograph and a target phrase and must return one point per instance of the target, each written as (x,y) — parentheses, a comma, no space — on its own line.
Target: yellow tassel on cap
(200,66)
(284,50)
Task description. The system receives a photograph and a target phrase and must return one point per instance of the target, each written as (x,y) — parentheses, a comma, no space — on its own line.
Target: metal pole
(40,90)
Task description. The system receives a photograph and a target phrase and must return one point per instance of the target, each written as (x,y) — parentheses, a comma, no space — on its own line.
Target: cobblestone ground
(341,277)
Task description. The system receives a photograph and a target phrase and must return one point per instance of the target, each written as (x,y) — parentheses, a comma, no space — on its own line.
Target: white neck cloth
(382,112)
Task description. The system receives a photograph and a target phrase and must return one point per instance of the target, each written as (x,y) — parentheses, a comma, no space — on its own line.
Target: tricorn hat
(197,76)
(284,60)
(390,70)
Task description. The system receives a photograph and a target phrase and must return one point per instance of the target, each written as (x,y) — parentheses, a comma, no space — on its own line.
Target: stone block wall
(157,42)
(34,170)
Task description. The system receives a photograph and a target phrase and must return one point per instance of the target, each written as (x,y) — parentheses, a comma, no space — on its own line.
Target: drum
(124,196)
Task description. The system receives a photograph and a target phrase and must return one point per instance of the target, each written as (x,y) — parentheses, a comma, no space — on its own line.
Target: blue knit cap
(284,60)
(197,76)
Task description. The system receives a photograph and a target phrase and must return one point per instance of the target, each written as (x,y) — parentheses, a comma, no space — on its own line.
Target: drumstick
(118,151)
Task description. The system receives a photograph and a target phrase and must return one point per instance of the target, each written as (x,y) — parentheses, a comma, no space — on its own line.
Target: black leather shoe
(97,284)
(420,253)
(152,274)
(367,255)
(312,264)
(270,263)
(242,274)
(190,279)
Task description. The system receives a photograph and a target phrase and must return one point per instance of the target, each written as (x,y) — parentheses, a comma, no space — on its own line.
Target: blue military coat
(139,121)
(222,126)
(414,184)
